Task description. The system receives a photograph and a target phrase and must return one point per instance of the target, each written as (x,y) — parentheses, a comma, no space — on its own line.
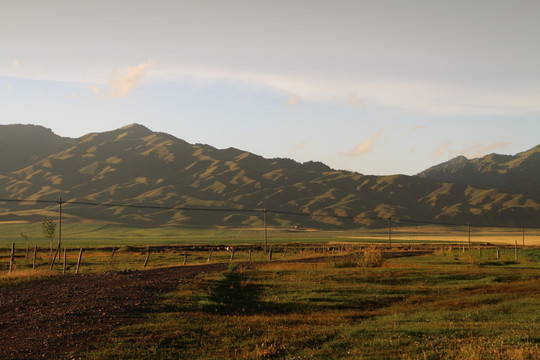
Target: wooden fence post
(210,255)
(12,257)
(185,258)
(515,252)
(270,253)
(498,252)
(79,261)
(232,254)
(34,258)
(147,257)
(111,263)
(250,250)
(64,265)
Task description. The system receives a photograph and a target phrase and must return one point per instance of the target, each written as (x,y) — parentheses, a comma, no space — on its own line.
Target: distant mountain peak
(518,174)
(135,127)
(458,160)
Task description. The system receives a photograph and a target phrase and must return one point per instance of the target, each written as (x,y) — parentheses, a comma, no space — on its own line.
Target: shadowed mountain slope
(518,174)
(133,165)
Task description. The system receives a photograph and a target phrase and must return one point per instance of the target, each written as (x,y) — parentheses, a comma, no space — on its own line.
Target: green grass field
(448,305)
(75,235)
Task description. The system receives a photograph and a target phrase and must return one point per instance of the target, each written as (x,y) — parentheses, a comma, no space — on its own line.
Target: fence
(23,245)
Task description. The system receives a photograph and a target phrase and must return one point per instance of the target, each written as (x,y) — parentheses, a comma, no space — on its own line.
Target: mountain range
(136,166)
(518,174)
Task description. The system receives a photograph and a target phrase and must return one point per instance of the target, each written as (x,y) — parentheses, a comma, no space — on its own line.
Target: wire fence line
(417,233)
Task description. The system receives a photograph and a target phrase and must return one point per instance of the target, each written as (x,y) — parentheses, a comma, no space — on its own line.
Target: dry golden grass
(289,266)
(27,274)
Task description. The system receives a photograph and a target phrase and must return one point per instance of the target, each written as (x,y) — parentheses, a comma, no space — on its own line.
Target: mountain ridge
(136,166)
(519,173)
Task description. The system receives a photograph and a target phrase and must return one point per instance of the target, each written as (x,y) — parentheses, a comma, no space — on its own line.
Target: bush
(373,257)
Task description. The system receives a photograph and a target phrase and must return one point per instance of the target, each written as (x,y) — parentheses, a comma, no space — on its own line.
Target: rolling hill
(134,165)
(518,174)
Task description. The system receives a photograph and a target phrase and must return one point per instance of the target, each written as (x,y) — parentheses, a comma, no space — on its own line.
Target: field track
(49,318)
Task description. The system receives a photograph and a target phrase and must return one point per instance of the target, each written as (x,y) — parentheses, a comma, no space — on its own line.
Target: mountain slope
(519,174)
(133,165)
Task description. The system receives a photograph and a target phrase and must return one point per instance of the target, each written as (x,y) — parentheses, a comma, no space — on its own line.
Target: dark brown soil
(59,317)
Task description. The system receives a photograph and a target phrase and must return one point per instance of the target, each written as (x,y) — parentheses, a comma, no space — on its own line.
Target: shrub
(373,257)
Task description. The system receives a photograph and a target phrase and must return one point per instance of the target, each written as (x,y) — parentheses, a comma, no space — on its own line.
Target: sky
(377,87)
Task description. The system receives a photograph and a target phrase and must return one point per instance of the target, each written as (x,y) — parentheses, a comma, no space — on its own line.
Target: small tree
(48,227)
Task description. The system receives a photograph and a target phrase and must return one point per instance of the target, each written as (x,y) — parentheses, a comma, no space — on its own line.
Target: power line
(277,212)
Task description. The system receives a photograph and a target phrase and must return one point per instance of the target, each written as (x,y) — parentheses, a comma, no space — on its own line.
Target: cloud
(15,63)
(73,95)
(419,127)
(300,146)
(293,99)
(95,89)
(441,150)
(478,150)
(365,146)
(121,84)
(354,99)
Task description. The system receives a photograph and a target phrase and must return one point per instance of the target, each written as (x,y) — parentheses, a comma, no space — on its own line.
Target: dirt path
(54,318)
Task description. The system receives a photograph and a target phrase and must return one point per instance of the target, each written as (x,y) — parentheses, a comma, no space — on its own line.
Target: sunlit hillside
(133,165)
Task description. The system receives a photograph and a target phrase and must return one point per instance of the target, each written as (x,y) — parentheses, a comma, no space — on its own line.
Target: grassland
(453,304)
(80,234)
(449,305)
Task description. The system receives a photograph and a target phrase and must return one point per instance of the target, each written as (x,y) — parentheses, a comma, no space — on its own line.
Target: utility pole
(469,224)
(60,223)
(57,252)
(389,232)
(265,232)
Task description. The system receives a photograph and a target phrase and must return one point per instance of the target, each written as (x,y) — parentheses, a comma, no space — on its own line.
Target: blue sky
(374,87)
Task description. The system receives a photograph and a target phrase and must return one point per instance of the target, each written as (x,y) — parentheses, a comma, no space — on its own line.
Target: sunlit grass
(410,308)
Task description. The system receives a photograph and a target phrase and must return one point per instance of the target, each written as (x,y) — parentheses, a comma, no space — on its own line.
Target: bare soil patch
(61,316)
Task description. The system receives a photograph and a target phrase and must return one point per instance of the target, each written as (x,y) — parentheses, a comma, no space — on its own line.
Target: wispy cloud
(15,63)
(478,150)
(73,95)
(419,127)
(293,99)
(300,146)
(441,150)
(95,89)
(366,146)
(121,84)
(354,99)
